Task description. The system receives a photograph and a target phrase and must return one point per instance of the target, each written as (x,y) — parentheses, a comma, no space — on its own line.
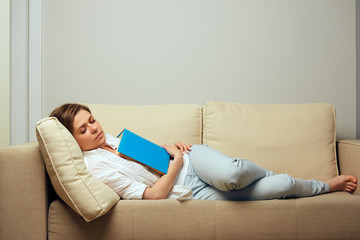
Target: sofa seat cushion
(298,139)
(137,219)
(328,216)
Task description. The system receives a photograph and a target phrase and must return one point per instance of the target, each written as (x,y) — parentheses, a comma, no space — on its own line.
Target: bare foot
(342,183)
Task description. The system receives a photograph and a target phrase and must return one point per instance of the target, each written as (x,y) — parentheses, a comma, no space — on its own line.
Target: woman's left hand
(183,147)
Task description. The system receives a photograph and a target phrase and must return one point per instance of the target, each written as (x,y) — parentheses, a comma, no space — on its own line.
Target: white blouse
(127,178)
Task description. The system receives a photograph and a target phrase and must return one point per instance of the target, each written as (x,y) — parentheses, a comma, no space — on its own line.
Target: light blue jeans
(215,176)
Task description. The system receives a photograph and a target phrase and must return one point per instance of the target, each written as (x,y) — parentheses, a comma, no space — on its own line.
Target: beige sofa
(298,139)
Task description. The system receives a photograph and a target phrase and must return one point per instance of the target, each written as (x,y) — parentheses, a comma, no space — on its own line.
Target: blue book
(141,150)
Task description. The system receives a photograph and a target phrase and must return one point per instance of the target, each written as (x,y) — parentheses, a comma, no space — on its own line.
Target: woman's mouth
(99,136)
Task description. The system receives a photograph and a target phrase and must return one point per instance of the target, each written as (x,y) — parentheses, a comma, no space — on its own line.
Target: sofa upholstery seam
(204,123)
(201,125)
(334,141)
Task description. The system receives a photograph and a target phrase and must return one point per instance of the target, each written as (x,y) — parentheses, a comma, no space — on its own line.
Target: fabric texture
(65,165)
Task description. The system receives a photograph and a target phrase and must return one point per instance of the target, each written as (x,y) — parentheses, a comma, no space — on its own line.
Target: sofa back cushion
(158,123)
(65,165)
(298,139)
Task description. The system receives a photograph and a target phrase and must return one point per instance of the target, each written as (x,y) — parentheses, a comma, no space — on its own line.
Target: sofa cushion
(134,219)
(65,165)
(328,216)
(298,139)
(157,123)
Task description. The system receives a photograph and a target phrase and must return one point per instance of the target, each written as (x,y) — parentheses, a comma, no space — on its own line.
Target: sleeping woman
(196,171)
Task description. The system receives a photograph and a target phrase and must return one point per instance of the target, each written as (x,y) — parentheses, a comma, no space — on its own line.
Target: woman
(208,173)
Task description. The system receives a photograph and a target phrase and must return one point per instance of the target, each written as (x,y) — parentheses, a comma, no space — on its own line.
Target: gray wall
(194,51)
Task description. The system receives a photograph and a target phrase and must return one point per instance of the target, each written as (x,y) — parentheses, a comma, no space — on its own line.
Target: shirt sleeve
(124,186)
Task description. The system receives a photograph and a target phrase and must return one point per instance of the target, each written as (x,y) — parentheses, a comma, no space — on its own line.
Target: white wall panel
(19,94)
(4,73)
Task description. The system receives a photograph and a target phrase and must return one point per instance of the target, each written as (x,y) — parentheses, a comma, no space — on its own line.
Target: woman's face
(87,131)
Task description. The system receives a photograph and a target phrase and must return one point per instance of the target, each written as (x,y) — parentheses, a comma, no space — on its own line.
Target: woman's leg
(278,187)
(274,187)
(223,172)
(215,176)
(283,186)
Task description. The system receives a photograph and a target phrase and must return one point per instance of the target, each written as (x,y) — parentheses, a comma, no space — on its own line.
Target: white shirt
(129,179)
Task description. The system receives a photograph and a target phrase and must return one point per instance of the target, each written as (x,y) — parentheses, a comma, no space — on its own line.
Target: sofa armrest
(23,193)
(349,158)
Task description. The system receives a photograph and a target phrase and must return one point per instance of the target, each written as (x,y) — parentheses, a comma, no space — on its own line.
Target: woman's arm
(163,186)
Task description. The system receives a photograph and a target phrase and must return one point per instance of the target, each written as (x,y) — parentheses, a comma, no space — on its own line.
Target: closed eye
(83,130)
(91,119)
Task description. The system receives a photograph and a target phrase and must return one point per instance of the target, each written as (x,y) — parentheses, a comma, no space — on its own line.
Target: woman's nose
(93,128)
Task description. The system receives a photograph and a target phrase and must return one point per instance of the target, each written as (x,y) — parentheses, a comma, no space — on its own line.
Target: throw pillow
(64,161)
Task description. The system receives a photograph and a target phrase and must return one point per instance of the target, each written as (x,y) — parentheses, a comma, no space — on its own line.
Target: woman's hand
(183,147)
(172,150)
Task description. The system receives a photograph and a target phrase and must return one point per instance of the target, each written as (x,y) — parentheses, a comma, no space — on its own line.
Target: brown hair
(66,114)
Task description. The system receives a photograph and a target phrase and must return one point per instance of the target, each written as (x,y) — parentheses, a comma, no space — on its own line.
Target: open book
(141,150)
